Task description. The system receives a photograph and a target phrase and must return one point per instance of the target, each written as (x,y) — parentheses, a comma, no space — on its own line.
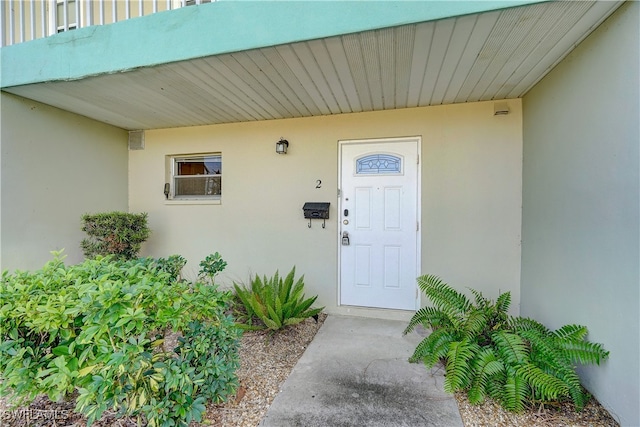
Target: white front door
(379,223)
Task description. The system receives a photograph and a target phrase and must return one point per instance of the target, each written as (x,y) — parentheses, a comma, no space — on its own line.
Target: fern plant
(277,302)
(487,353)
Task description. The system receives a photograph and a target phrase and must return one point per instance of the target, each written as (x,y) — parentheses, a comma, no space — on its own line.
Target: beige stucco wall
(55,166)
(581,204)
(471,195)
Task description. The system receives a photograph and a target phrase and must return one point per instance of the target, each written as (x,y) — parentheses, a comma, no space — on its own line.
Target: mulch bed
(266,361)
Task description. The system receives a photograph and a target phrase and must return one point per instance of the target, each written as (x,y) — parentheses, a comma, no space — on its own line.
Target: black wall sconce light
(282,146)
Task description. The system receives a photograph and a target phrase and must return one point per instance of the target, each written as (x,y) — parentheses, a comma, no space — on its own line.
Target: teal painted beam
(212,29)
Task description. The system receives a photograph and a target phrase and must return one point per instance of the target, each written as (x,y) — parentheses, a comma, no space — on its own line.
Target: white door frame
(418,140)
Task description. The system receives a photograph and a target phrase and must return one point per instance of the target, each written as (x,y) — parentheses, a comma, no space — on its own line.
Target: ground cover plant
(488,353)
(276,302)
(114,233)
(95,330)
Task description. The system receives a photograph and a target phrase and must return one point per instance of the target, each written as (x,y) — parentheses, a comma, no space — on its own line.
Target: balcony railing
(24,20)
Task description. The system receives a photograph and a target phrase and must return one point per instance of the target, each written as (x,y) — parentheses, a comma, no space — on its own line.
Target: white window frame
(75,5)
(172,177)
(184,3)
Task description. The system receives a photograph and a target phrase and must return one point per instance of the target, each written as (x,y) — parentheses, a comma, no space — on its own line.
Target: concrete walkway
(355,373)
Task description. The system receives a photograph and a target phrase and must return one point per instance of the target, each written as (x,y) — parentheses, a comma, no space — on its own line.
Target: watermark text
(34,415)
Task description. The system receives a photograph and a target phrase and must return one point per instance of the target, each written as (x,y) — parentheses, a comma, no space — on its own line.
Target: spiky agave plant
(278,302)
(514,360)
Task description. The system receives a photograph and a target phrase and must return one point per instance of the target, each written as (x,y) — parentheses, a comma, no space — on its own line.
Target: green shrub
(276,302)
(98,328)
(172,265)
(211,265)
(114,233)
(514,360)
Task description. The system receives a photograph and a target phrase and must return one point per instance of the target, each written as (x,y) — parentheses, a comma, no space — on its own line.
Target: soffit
(485,56)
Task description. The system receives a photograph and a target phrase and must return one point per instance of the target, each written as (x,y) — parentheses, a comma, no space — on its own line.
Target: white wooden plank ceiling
(487,56)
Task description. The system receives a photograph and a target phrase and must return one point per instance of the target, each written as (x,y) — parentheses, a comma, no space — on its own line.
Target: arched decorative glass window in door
(379,164)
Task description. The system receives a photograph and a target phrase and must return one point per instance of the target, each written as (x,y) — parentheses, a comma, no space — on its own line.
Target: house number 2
(318,183)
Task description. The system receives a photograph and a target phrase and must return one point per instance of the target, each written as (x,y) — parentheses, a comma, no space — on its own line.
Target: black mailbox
(316,210)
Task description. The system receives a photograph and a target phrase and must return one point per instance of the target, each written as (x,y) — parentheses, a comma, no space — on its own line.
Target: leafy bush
(276,302)
(172,265)
(211,265)
(114,233)
(514,360)
(98,328)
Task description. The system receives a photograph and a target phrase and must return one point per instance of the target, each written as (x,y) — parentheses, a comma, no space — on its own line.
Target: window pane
(211,165)
(71,14)
(198,186)
(378,164)
(192,2)
(197,177)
